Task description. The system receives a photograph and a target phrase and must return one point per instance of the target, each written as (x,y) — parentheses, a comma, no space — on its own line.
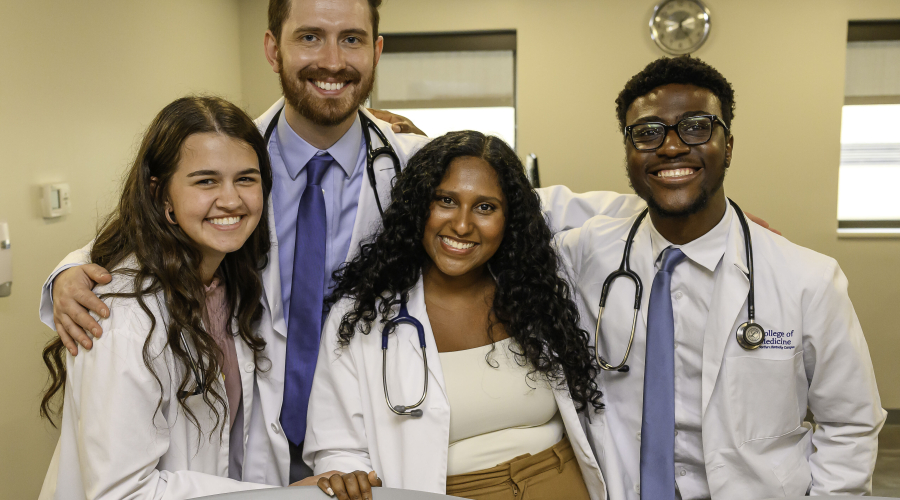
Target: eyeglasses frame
(713,118)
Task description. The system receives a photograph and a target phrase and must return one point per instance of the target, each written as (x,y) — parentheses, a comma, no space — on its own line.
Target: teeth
(224,221)
(677,172)
(329,85)
(456,244)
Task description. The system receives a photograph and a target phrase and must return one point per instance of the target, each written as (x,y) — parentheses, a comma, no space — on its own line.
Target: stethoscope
(403,317)
(372,153)
(750,335)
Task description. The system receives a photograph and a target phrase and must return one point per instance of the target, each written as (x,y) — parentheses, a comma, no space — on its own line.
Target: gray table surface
(314,493)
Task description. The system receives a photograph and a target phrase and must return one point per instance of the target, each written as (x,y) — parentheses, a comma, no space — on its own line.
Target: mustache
(346,75)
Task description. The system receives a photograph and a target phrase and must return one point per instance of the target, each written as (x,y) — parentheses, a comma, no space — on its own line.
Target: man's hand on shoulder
(399,124)
(72,298)
(762,223)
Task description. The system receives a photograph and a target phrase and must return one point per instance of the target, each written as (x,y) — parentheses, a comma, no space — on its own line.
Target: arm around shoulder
(566,210)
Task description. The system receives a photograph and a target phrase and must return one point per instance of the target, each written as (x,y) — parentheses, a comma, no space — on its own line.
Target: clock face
(679,26)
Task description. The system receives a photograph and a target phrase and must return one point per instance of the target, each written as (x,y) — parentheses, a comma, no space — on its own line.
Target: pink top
(218,322)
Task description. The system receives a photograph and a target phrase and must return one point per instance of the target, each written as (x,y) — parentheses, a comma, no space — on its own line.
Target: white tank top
(497,413)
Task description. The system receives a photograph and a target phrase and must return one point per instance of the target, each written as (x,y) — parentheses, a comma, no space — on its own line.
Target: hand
(72,297)
(762,223)
(356,485)
(399,124)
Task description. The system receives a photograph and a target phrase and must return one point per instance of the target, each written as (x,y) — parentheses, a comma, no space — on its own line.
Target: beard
(323,111)
(696,206)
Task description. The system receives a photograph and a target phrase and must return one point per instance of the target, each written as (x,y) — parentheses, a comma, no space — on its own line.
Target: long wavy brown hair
(167,261)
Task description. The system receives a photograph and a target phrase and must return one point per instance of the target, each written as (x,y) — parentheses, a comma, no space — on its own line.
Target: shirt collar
(706,250)
(296,152)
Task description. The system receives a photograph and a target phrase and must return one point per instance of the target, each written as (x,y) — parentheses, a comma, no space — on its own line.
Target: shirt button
(246,438)
(678,295)
(249,367)
(276,429)
(638,435)
(683,472)
(675,345)
(676,433)
(637,489)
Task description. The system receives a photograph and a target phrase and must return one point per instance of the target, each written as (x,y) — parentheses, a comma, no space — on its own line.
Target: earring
(170,216)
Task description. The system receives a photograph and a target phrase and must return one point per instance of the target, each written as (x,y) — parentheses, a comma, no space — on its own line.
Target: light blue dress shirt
(289,154)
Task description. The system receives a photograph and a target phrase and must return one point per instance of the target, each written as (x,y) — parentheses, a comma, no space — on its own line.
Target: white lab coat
(755,443)
(351,428)
(114,443)
(266,455)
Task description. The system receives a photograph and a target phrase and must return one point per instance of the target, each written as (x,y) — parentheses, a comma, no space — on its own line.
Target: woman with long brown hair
(159,407)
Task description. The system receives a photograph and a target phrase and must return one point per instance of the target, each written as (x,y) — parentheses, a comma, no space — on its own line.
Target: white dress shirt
(693,281)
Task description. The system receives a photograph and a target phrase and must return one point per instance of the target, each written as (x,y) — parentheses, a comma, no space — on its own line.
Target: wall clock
(679,26)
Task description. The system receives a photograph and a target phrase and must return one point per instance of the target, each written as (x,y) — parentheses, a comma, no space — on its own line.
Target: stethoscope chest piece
(750,336)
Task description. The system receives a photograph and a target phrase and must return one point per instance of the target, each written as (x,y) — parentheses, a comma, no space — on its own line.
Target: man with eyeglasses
(697,414)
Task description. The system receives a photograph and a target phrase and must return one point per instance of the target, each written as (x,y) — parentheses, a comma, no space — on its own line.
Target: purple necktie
(658,422)
(307,289)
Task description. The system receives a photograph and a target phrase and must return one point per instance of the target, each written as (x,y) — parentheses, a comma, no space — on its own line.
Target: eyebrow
(200,173)
(359,32)
(479,199)
(686,114)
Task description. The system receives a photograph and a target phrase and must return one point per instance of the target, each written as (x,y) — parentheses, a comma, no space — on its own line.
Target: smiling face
(678,180)
(325,57)
(216,195)
(467,219)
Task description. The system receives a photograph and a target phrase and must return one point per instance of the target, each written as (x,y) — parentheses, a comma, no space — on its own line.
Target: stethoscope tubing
(624,271)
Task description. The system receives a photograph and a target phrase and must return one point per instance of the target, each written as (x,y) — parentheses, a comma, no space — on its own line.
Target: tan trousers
(552,473)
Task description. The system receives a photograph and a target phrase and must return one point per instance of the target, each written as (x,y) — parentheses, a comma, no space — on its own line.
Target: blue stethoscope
(749,335)
(403,317)
(372,153)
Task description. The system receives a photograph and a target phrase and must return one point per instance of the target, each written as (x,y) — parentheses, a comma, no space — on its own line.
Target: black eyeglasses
(693,131)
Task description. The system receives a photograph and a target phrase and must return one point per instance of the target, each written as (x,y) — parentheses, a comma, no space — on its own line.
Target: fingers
(75,332)
(66,339)
(374,480)
(97,274)
(352,486)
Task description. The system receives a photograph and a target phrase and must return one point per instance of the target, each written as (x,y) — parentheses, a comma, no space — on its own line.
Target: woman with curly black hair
(465,249)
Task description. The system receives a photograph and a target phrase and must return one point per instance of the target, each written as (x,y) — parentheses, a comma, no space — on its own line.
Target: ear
(154,184)
(170,214)
(379,47)
(729,146)
(272,55)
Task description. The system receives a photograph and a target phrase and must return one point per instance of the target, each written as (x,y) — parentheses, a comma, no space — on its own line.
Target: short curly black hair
(683,69)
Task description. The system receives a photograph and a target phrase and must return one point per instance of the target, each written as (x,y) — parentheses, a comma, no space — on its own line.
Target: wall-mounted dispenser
(5,261)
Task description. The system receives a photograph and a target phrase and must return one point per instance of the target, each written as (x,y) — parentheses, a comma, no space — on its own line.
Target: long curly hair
(531,301)
(168,261)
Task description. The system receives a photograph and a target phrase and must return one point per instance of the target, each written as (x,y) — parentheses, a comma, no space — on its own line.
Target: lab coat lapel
(368,218)
(271,277)
(416,308)
(728,301)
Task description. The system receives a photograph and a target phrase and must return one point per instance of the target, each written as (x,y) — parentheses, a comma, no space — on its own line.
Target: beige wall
(78,83)
(786,62)
(80,80)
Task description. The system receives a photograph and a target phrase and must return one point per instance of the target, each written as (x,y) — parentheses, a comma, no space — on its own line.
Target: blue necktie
(307,290)
(658,423)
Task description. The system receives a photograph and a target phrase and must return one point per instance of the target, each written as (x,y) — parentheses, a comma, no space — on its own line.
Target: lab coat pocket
(794,473)
(762,394)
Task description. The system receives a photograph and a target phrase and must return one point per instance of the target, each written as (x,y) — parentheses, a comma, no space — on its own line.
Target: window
(868,201)
(450,81)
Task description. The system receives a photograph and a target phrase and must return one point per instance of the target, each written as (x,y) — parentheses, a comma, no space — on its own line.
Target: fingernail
(106,313)
(95,331)
(85,344)
(330,492)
